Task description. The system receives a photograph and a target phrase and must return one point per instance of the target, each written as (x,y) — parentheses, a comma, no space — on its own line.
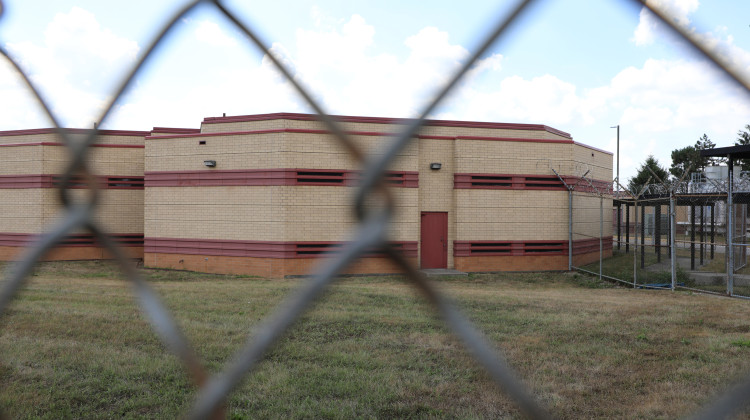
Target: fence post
(669,233)
(643,236)
(730,229)
(703,235)
(713,222)
(619,226)
(601,232)
(657,231)
(635,244)
(570,217)
(627,228)
(570,230)
(692,237)
(672,233)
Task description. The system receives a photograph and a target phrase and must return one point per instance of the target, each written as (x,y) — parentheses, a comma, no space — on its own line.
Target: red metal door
(434,237)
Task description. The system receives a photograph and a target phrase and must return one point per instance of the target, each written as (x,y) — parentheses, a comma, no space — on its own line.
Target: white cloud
(340,66)
(74,69)
(648,119)
(211,33)
(695,93)
(78,32)
(232,90)
(718,41)
(660,95)
(649,26)
(541,99)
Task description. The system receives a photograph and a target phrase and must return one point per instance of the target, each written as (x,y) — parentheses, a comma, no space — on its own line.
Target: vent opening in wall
(491,181)
(510,248)
(201,142)
(125,183)
(316,248)
(507,182)
(315,177)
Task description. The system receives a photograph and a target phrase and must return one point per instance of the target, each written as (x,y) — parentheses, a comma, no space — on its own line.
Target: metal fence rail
(213,390)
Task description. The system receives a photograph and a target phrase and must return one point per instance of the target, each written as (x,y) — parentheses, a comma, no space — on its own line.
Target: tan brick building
(32,163)
(279,195)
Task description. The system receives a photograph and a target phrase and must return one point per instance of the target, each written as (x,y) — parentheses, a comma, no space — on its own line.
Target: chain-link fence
(670,236)
(587,202)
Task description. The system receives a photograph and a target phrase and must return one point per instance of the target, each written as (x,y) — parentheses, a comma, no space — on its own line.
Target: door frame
(441,258)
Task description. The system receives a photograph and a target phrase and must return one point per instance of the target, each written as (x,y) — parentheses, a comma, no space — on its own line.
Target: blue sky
(580,66)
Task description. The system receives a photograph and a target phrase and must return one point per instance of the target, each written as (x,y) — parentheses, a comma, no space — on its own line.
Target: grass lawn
(73,345)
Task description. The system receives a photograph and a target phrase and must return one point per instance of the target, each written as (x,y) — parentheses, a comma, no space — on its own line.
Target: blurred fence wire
(370,234)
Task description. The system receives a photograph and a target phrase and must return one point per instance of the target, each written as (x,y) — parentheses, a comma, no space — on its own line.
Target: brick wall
(31,205)
(289,214)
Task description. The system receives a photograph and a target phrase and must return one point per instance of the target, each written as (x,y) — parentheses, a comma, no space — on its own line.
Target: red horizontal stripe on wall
(258,249)
(74,240)
(593,148)
(526,248)
(106,182)
(47,143)
(526,182)
(380,120)
(267,131)
(513,139)
(270,177)
(73,131)
(507,182)
(353,133)
(596,186)
(209,178)
(175,130)
(25,181)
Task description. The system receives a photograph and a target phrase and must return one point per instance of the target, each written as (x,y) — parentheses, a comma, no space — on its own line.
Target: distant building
(271,194)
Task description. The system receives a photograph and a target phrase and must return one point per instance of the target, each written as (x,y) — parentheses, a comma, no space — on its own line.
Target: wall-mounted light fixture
(436,166)
(210,163)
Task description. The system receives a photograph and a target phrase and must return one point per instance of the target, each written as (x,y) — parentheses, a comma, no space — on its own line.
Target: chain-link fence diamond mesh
(591,221)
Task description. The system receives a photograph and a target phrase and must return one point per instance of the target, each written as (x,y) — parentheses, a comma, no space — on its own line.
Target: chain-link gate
(370,233)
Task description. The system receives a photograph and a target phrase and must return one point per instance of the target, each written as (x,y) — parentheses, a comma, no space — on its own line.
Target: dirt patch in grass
(74,345)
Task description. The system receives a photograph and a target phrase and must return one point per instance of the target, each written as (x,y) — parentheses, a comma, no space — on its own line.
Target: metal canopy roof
(732,152)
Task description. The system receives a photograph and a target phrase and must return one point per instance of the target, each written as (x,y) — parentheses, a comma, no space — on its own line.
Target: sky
(580,66)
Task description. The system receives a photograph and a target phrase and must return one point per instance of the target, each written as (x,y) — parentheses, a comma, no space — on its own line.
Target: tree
(743,136)
(690,157)
(682,159)
(704,143)
(636,183)
(743,139)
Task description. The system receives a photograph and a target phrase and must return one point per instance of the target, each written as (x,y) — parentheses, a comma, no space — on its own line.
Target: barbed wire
(373,223)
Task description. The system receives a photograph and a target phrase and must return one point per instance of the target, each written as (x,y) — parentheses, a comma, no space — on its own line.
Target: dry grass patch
(73,344)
